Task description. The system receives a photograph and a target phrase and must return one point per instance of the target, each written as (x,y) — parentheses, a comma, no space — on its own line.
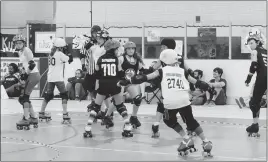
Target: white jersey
(56,67)
(25,56)
(175,88)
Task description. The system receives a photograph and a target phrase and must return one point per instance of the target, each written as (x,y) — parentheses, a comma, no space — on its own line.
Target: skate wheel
(35,126)
(26,128)
(182,153)
(19,128)
(85,135)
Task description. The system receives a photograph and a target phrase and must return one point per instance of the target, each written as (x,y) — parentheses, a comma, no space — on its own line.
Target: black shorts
(259,88)
(108,87)
(89,82)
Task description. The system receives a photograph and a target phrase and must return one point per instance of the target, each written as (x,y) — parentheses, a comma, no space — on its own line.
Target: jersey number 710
(109,69)
(172,81)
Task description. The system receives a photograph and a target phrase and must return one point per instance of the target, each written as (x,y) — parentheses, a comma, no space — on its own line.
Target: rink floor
(223,125)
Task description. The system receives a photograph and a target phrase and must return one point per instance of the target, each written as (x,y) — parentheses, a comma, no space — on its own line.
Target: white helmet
(59,42)
(169,56)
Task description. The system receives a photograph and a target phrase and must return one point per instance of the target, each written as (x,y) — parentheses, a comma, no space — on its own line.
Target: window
(153,49)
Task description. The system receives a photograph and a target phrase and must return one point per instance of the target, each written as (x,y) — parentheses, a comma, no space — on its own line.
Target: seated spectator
(197,95)
(219,85)
(74,86)
(12,82)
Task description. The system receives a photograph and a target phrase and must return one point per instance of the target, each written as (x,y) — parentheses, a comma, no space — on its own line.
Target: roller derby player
(55,77)
(31,78)
(132,64)
(166,43)
(109,72)
(94,54)
(174,83)
(259,65)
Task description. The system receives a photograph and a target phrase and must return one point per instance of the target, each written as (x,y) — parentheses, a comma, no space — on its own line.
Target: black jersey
(128,68)
(262,61)
(10,80)
(108,67)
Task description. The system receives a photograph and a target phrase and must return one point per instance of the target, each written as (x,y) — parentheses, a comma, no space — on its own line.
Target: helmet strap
(163,64)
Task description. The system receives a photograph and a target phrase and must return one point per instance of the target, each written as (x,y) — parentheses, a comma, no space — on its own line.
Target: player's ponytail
(53,50)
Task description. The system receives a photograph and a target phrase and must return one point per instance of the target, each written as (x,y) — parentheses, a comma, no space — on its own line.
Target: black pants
(259,89)
(170,117)
(89,83)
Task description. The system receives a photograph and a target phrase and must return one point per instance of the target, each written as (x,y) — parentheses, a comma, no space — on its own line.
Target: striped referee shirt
(91,57)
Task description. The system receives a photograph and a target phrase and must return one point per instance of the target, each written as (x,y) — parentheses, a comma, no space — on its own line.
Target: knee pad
(137,100)
(24,99)
(121,109)
(64,97)
(198,130)
(160,107)
(254,107)
(96,108)
(48,96)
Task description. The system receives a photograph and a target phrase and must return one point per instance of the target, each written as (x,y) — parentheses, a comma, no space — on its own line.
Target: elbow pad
(253,67)
(138,79)
(202,85)
(31,65)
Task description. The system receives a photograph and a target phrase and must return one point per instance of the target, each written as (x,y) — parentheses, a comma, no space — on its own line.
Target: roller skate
(107,121)
(66,119)
(134,122)
(207,147)
(190,133)
(253,130)
(23,124)
(34,122)
(44,116)
(127,130)
(101,116)
(88,133)
(185,146)
(90,106)
(155,130)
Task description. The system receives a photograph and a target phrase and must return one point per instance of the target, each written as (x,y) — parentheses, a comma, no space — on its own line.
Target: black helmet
(103,34)
(95,28)
(169,42)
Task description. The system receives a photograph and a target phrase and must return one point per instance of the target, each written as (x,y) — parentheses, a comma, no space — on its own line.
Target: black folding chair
(152,89)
